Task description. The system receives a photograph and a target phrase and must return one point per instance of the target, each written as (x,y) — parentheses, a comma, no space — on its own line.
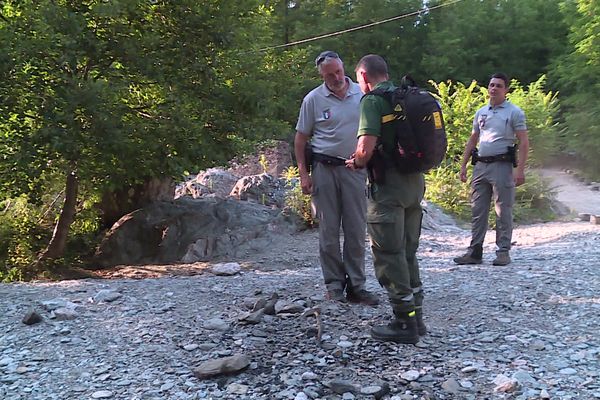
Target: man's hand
(306,183)
(352,164)
(519,177)
(463,173)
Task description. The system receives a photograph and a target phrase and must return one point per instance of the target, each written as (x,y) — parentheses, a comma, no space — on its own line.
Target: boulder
(213,181)
(189,230)
(262,189)
(434,218)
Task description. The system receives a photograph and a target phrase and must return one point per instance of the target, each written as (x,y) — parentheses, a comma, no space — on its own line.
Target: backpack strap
(388,95)
(407,82)
(396,98)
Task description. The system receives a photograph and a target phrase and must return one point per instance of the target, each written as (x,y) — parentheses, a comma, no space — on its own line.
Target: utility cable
(356,28)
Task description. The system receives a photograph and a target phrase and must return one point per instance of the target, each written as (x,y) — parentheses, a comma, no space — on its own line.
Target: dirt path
(578,197)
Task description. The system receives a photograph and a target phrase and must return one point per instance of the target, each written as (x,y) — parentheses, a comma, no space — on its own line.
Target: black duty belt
(329,160)
(491,159)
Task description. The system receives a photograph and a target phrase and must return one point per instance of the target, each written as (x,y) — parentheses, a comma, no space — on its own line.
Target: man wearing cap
(329,120)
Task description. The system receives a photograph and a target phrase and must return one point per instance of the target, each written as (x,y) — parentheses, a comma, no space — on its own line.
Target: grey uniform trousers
(394,217)
(339,199)
(492,179)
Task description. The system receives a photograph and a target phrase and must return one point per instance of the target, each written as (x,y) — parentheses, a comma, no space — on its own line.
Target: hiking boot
(336,295)
(421,328)
(362,296)
(467,259)
(472,256)
(502,258)
(402,329)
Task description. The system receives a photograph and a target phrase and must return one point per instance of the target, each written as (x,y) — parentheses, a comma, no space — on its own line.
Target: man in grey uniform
(496,126)
(329,119)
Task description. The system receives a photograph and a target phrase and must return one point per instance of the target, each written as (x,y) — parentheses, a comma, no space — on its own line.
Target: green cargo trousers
(394,217)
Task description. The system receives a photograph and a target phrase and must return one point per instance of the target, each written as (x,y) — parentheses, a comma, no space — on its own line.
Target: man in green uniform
(393,212)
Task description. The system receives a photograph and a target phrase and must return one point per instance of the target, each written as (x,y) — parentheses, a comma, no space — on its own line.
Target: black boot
(421,328)
(473,256)
(402,329)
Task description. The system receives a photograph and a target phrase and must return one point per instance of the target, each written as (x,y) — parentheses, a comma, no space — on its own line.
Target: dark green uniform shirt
(372,109)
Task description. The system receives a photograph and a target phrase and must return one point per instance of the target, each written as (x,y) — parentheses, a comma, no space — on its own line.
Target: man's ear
(364,75)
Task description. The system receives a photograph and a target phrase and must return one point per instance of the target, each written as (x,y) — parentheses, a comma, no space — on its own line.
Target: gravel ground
(525,331)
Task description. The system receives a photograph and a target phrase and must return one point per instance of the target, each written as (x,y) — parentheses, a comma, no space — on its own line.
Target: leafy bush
(297,202)
(533,202)
(446,190)
(541,110)
(20,238)
(26,226)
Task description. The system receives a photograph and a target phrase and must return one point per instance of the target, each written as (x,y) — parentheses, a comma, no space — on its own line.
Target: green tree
(398,41)
(577,75)
(110,94)
(474,38)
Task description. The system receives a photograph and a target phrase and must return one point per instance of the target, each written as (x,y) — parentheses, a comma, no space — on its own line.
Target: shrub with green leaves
(541,109)
(25,227)
(20,237)
(297,202)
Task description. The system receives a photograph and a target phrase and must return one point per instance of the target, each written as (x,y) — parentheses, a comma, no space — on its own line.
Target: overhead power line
(357,28)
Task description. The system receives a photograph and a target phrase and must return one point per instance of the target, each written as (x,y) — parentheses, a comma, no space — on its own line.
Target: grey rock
(262,189)
(188,230)
(219,366)
(32,317)
(226,269)
(309,376)
(341,386)
(216,324)
(252,317)
(410,375)
(51,305)
(236,388)
(106,296)
(102,394)
(451,386)
(64,314)
(568,371)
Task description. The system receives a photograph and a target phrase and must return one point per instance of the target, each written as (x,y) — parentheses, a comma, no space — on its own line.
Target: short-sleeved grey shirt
(496,126)
(332,122)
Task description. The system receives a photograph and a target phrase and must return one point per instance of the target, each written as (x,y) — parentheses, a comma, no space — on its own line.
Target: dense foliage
(577,73)
(97,97)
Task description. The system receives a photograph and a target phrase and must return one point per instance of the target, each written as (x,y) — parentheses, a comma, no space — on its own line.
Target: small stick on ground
(317,314)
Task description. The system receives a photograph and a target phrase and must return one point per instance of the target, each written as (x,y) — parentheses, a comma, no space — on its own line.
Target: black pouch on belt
(308,156)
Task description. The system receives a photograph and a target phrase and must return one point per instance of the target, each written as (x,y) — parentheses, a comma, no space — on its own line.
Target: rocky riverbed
(525,331)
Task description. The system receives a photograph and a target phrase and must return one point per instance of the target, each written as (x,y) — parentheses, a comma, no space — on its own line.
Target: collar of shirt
(352,88)
(501,105)
(384,85)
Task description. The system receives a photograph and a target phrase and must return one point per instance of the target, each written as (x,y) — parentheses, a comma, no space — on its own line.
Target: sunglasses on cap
(324,55)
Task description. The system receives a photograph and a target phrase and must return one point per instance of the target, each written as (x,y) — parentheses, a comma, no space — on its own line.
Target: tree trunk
(57,244)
